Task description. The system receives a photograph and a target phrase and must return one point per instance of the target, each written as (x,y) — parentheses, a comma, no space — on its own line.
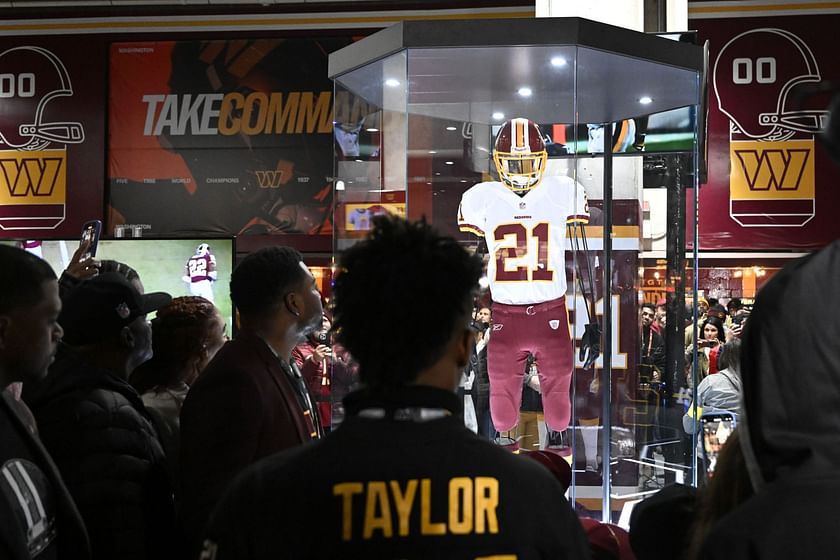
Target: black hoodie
(790,425)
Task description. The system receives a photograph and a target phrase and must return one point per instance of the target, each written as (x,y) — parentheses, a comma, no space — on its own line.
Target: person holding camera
(712,337)
(313,357)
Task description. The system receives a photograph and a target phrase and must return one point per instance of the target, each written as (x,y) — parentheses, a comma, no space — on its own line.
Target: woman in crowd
(712,337)
(186,334)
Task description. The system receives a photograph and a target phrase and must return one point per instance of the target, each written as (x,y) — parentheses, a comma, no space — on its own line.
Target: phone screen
(716,430)
(90,233)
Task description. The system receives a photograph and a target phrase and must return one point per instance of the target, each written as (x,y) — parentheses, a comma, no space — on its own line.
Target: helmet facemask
(519,155)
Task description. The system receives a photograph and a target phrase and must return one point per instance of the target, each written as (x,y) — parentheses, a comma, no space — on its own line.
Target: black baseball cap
(100,307)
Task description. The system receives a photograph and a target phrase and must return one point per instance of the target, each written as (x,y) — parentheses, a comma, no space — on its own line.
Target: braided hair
(179,340)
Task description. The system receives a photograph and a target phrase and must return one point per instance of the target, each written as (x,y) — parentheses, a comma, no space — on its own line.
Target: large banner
(232,137)
(51,137)
(771,185)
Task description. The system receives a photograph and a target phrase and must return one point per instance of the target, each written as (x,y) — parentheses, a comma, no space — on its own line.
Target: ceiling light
(525,91)
(451,128)
(498,116)
(391,82)
(558,61)
(449,163)
(645,100)
(372,129)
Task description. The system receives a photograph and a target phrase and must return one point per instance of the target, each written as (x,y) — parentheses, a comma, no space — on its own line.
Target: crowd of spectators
(164,439)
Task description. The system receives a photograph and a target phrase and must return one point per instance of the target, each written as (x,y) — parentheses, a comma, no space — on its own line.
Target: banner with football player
(771,184)
(51,137)
(225,136)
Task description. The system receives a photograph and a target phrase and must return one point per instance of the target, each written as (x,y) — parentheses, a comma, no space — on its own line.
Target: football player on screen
(523,219)
(200,272)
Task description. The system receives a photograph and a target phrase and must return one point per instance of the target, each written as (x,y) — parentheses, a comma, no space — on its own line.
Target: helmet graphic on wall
(31,77)
(520,155)
(203,249)
(753,78)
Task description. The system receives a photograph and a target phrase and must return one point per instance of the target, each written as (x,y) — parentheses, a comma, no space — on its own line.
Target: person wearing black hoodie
(790,421)
(95,425)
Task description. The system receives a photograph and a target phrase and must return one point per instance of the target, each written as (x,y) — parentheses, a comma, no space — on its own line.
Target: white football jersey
(526,236)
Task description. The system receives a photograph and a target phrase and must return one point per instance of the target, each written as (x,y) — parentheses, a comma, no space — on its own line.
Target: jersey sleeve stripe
(470,229)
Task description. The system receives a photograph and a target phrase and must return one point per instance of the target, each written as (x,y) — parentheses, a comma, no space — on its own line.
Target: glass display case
(495,132)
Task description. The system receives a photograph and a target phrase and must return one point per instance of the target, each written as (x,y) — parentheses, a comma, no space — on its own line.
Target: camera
(479,326)
(323,337)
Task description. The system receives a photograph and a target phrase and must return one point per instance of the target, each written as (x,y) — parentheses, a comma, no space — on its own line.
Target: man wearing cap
(37,514)
(251,400)
(401,477)
(96,427)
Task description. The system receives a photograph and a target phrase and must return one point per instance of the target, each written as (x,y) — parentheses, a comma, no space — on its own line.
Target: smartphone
(90,233)
(717,427)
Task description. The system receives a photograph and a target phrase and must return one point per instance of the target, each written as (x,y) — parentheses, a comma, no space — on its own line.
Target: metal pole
(606,371)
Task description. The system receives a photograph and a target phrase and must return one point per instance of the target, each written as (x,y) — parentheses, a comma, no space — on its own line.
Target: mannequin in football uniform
(523,220)
(200,272)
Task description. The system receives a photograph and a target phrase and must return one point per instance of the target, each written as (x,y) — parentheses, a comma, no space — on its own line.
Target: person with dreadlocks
(401,477)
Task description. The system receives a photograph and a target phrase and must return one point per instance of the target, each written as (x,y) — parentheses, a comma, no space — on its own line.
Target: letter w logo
(269,179)
(778,169)
(30,176)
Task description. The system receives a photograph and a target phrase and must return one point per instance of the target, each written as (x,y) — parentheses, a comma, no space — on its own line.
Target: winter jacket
(95,427)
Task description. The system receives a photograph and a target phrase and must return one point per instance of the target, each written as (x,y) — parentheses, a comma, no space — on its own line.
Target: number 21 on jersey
(521,253)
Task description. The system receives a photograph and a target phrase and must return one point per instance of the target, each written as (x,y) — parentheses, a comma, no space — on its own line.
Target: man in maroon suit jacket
(250,401)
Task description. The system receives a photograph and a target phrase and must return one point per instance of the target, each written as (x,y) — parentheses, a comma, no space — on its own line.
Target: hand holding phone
(717,428)
(82,265)
(90,236)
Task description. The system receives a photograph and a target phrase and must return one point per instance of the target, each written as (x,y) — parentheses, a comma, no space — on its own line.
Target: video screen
(179,267)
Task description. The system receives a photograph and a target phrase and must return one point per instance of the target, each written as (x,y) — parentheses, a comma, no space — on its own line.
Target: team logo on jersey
(554,324)
(33,179)
(771,148)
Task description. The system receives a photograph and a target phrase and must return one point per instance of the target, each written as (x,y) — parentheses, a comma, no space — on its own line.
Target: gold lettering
(347,490)
(228,123)
(350,108)
(377,499)
(460,505)
(486,502)
(282,114)
(256,102)
(404,501)
(427,527)
(314,112)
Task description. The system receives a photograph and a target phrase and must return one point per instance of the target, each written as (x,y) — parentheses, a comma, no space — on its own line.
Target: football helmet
(754,91)
(31,78)
(203,249)
(520,155)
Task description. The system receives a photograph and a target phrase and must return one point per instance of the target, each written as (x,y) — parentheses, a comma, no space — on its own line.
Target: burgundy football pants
(542,330)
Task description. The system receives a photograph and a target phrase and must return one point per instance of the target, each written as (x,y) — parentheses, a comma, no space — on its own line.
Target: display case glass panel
(455,106)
